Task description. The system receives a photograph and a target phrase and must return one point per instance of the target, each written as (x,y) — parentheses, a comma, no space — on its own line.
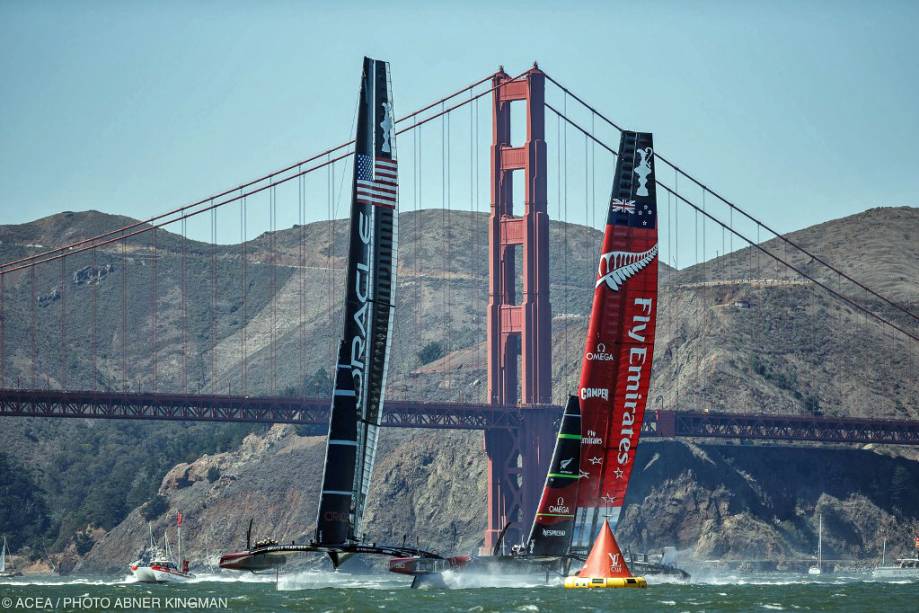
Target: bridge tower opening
(519,328)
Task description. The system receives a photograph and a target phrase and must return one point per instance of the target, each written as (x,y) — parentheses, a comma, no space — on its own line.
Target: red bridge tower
(519,327)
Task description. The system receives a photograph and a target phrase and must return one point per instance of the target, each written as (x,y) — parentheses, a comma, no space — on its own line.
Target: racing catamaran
(604,420)
(363,353)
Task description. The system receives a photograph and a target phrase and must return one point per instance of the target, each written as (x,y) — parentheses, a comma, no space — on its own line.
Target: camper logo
(617,267)
(594,392)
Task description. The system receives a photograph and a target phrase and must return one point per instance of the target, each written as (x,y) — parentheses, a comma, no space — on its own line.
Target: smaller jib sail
(616,367)
(554,521)
(605,558)
(363,355)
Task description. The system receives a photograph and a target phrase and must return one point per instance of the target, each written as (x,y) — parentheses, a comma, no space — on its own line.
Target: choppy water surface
(326,591)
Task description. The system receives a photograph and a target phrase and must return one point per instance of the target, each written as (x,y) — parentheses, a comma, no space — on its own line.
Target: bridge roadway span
(442,415)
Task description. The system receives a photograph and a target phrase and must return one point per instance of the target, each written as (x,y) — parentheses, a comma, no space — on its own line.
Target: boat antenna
(249,534)
(179,536)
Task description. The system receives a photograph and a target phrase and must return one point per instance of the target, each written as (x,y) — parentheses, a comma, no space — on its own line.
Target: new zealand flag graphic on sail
(377,182)
(633,202)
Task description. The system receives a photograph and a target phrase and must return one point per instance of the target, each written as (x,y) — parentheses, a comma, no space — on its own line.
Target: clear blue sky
(800,111)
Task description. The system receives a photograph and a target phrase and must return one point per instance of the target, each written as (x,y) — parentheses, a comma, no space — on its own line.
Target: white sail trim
(617,267)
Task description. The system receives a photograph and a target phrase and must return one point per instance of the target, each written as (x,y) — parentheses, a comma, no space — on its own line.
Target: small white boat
(4,571)
(905,568)
(156,565)
(817,569)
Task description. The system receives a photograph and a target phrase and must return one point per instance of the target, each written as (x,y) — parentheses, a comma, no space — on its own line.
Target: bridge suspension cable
(867,312)
(158,221)
(13,265)
(735,207)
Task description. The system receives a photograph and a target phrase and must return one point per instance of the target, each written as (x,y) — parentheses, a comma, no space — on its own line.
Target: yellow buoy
(605,566)
(592,582)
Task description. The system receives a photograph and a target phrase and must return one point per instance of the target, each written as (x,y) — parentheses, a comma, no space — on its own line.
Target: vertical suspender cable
(593,177)
(93,331)
(153,306)
(330,182)
(419,228)
(272,221)
(672,321)
(587,246)
(301,209)
(185,305)
(416,162)
(473,197)
(443,225)
(63,347)
(676,262)
(865,356)
(705,301)
(124,315)
(558,200)
(244,291)
(34,325)
(483,296)
(213,333)
(811,399)
(731,233)
(565,243)
(448,239)
(700,323)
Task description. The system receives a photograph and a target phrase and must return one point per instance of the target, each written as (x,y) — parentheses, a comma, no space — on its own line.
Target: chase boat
(156,565)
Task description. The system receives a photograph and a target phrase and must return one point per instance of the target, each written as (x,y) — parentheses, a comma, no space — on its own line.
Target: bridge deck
(441,415)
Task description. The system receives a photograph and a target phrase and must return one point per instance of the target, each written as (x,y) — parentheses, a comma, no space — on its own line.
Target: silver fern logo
(617,267)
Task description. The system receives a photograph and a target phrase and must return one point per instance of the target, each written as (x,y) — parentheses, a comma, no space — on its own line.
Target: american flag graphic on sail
(377,181)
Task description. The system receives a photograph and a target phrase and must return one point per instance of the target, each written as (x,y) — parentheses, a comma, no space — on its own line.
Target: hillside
(732,336)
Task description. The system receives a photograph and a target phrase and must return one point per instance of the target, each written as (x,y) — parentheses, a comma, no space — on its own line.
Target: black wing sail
(554,521)
(357,403)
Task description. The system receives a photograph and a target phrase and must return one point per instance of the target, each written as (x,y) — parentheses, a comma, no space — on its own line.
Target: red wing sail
(605,558)
(554,521)
(616,368)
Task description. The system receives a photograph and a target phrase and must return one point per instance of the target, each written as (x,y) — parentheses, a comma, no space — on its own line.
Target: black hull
(273,556)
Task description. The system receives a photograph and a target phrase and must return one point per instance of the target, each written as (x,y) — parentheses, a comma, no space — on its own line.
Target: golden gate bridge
(187,333)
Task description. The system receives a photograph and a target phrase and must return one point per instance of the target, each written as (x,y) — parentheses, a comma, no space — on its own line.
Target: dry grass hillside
(734,334)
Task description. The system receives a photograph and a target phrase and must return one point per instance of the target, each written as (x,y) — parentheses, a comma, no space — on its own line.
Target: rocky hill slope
(734,334)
